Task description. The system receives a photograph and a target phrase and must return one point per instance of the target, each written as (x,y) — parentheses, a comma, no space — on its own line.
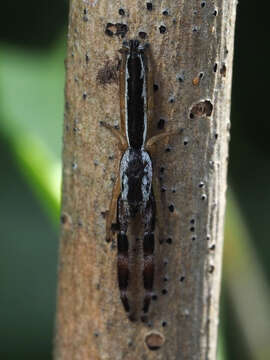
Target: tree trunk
(191,45)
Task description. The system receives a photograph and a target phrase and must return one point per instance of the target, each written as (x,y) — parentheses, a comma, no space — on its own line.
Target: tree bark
(191,44)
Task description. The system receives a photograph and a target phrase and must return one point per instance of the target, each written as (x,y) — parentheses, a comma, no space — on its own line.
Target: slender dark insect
(135,190)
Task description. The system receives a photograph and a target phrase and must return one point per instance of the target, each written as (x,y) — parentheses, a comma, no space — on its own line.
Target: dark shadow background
(28,240)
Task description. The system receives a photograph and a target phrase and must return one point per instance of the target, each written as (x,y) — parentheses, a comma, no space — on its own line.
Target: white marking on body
(144,95)
(147,178)
(126,98)
(123,177)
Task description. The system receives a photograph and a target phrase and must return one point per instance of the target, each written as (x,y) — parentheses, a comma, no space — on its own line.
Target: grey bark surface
(191,45)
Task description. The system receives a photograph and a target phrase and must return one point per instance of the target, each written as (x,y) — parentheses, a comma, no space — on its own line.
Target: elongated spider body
(135,191)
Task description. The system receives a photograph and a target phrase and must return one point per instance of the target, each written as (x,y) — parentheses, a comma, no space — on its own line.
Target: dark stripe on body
(123,271)
(135,101)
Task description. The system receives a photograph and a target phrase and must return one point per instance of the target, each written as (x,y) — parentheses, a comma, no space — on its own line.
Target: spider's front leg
(148,215)
(123,257)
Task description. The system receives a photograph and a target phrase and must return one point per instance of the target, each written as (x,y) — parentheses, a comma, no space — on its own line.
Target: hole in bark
(154,341)
(84,96)
(192,229)
(169,241)
(203,3)
(154,297)
(121,12)
(215,13)
(182,278)
(164,323)
(215,67)
(203,108)
(201,184)
(171,208)
(211,269)
(87,59)
(180,78)
(161,124)
(223,70)
(165,12)
(155,87)
(192,221)
(116,29)
(194,237)
(142,34)
(149,6)
(171,99)
(162,169)
(203,197)
(164,291)
(163,188)
(162,29)
(168,149)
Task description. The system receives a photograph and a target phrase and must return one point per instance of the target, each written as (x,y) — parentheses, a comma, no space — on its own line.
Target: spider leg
(154,139)
(148,251)
(122,142)
(113,209)
(123,257)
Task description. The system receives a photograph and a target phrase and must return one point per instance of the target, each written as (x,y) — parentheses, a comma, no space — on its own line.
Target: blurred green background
(32,51)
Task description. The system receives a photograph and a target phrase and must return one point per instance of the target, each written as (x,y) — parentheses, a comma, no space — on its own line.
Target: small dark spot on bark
(180,78)
(117,29)
(154,297)
(121,12)
(223,70)
(155,87)
(165,12)
(161,124)
(154,341)
(164,291)
(169,240)
(142,34)
(203,197)
(203,108)
(84,95)
(182,278)
(168,149)
(194,237)
(87,59)
(108,74)
(162,29)
(192,229)
(215,13)
(201,184)
(211,269)
(215,67)
(212,247)
(103,214)
(192,221)
(149,6)
(64,218)
(203,3)
(216,136)
(163,188)
(171,99)
(171,208)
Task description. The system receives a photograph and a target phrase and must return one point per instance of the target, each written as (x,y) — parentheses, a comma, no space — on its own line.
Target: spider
(135,191)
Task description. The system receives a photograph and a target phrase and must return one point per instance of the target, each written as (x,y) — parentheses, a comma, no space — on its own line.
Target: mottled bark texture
(191,44)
